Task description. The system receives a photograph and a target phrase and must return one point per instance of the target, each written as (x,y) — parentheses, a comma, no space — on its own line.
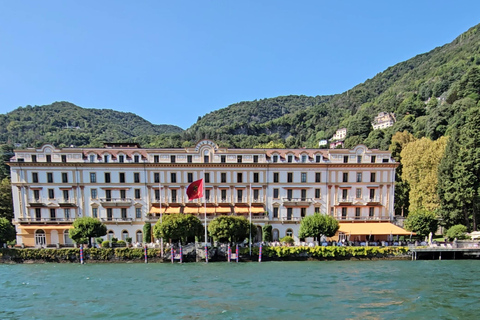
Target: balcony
(30,220)
(116,220)
(37,202)
(116,202)
(361,218)
(344,201)
(372,201)
(297,201)
(67,202)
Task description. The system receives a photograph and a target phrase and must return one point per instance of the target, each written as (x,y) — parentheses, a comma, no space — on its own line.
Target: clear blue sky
(172,61)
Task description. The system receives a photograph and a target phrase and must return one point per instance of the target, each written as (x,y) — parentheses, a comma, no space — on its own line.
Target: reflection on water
(269,290)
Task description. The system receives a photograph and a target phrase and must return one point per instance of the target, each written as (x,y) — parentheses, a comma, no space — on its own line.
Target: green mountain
(64,124)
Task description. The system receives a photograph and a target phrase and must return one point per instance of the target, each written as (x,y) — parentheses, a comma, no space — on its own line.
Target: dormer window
(318,158)
(136,158)
(172,159)
(49,158)
(304,158)
(34,158)
(121,158)
(206,157)
(92,158)
(275,158)
(239,159)
(290,158)
(105,158)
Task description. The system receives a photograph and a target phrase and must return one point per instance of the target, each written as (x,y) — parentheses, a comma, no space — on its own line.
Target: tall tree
(317,225)
(86,228)
(178,227)
(7,231)
(6,204)
(231,229)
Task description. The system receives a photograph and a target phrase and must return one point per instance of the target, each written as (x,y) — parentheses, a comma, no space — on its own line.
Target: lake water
(267,290)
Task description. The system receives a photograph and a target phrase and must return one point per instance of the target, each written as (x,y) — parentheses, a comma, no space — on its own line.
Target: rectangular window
(223,159)
(138,213)
(137,194)
(174,195)
(66,195)
(35,177)
(95,212)
(64,177)
(371,211)
(172,159)
(304,158)
(92,158)
(372,176)
(93,193)
(53,214)
(290,177)
(239,177)
(107,177)
(156,177)
(357,213)
(38,214)
(317,193)
(109,214)
(255,194)
(255,159)
(344,213)
(373,159)
(289,213)
(157,195)
(345,159)
(276,177)
(123,194)
(239,159)
(124,213)
(206,159)
(240,195)
(384,160)
(136,158)
(93,177)
(345,177)
(49,158)
(34,158)
(303,212)
(359,177)
(51,194)
(207,177)
(275,159)
(275,193)
(304,177)
(372,194)
(224,195)
(318,177)
(64,158)
(290,159)
(358,193)
(255,177)
(136,177)
(108,195)
(66,214)
(344,194)
(121,177)
(189,177)
(223,177)
(275,212)
(105,158)
(359,159)
(49,177)
(207,194)
(156,159)
(289,194)
(36,194)
(317,158)
(189,158)
(121,158)
(317,209)
(303,194)
(173,177)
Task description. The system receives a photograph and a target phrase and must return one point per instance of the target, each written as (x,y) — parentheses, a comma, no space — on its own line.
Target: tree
(86,228)
(422,222)
(267,233)
(6,203)
(231,229)
(458,232)
(147,232)
(317,225)
(7,231)
(178,227)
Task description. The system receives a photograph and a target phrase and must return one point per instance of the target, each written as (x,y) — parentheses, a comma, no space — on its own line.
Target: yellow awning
(372,228)
(157,210)
(210,210)
(258,210)
(190,210)
(173,210)
(242,210)
(38,227)
(223,210)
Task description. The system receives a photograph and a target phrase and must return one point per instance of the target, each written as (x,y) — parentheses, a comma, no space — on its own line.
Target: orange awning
(190,210)
(223,210)
(43,227)
(242,210)
(372,228)
(210,210)
(173,210)
(157,210)
(258,210)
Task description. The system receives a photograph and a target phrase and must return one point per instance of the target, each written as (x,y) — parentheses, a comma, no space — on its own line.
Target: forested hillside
(64,124)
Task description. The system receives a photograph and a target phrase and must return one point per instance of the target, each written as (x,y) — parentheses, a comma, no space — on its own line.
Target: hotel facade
(126,186)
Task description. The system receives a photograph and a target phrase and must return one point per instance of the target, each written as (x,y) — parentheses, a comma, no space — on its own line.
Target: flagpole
(205,208)
(250,209)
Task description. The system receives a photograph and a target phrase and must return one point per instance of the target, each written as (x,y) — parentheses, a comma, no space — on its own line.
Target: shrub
(106,244)
(120,243)
(267,233)
(99,240)
(458,231)
(128,240)
(288,240)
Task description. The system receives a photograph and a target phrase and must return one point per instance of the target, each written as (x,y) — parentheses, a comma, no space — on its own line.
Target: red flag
(195,190)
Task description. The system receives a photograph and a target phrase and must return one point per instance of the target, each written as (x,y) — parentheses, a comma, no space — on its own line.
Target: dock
(455,251)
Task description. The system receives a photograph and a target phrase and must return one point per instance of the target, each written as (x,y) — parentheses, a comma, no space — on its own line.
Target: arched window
(110,235)
(40,239)
(275,235)
(289,232)
(139,236)
(124,235)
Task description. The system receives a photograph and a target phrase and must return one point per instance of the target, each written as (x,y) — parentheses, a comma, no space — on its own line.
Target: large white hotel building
(125,186)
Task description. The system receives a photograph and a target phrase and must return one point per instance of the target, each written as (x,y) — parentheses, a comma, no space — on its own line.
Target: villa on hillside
(125,186)
(383,120)
(338,138)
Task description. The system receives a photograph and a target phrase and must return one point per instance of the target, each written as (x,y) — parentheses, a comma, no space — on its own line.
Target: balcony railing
(108,219)
(31,220)
(297,201)
(116,201)
(362,218)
